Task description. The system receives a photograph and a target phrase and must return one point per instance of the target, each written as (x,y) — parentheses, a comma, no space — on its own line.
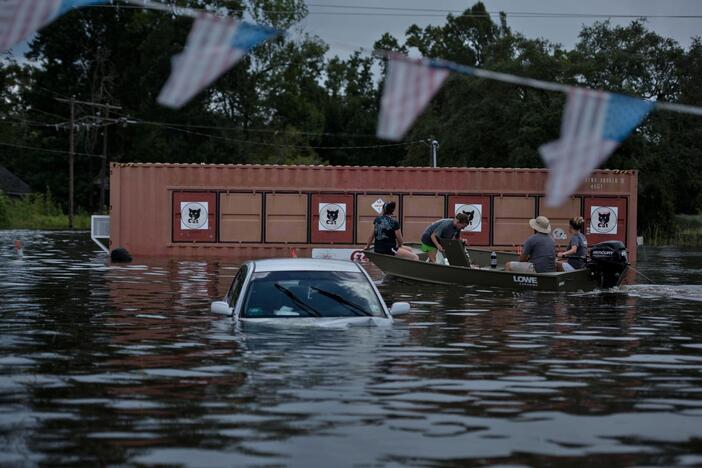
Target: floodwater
(124,365)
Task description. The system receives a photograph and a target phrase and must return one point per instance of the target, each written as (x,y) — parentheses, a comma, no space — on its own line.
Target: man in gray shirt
(539,251)
(449,228)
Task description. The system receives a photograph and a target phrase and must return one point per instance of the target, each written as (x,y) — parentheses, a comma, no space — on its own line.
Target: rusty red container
(265,210)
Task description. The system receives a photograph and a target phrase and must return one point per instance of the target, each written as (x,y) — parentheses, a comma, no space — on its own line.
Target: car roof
(304,264)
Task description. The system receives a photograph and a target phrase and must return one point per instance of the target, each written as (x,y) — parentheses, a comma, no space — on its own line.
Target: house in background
(12,185)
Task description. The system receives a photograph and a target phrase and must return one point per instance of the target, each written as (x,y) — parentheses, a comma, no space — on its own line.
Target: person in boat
(449,228)
(577,247)
(386,236)
(538,253)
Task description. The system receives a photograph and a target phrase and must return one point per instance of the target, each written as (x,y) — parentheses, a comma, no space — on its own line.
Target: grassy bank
(37,211)
(686,233)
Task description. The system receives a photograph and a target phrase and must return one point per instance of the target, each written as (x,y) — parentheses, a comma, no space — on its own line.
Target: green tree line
(288,102)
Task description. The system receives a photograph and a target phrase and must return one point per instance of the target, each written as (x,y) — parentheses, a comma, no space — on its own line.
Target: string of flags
(214,45)
(409,86)
(19,19)
(594,122)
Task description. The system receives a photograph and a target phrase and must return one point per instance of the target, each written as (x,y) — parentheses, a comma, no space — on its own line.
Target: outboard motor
(608,260)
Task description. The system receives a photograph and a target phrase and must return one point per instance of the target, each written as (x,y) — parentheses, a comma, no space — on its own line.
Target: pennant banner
(409,86)
(594,124)
(19,19)
(214,45)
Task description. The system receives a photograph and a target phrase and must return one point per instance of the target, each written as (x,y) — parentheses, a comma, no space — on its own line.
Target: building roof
(313,167)
(11,184)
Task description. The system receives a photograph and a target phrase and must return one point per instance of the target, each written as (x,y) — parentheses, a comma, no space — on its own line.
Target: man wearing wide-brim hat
(539,250)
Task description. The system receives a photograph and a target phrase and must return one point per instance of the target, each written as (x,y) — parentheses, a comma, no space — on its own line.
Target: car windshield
(288,294)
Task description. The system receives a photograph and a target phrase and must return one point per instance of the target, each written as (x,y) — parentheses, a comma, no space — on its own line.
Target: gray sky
(347,25)
(345,32)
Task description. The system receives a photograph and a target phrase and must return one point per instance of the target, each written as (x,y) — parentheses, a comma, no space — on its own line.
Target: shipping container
(198,210)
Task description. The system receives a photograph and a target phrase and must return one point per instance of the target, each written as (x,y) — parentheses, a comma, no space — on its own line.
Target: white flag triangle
(409,86)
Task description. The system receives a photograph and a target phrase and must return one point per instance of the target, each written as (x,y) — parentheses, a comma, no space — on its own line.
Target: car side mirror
(220,308)
(399,308)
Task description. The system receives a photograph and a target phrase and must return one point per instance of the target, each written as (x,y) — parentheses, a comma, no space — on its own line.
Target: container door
(605,219)
(332,218)
(368,207)
(512,215)
(194,216)
(478,210)
(240,217)
(559,218)
(286,217)
(418,212)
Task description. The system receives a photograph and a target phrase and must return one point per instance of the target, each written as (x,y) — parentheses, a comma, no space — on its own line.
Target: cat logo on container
(193,215)
(603,219)
(332,216)
(474,211)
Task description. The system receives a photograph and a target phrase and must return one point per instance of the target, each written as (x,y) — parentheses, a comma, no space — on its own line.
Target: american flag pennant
(19,19)
(594,124)
(409,86)
(214,45)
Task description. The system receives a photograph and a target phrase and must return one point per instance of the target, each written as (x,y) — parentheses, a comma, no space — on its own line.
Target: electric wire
(388,11)
(34,148)
(258,143)
(257,130)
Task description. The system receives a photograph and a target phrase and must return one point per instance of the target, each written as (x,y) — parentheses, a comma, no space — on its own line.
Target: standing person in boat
(386,236)
(539,250)
(577,247)
(449,228)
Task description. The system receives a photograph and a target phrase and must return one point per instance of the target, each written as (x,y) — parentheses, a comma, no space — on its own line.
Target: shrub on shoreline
(37,211)
(686,232)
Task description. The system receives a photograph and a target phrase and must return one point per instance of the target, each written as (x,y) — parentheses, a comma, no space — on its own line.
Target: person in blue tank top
(386,236)
(576,253)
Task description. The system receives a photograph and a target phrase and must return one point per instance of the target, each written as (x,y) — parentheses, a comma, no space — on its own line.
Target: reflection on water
(124,364)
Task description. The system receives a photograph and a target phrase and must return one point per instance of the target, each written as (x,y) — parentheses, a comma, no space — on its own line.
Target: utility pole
(71,154)
(434,149)
(103,163)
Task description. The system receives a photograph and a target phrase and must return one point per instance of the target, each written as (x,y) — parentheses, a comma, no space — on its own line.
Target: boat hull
(579,280)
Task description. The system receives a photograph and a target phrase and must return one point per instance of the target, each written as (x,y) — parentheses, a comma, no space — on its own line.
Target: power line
(51,114)
(257,130)
(357,10)
(44,150)
(15,121)
(125,119)
(277,145)
(518,14)
(165,125)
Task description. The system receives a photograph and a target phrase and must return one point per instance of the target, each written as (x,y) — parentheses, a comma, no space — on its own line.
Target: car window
(288,294)
(236,286)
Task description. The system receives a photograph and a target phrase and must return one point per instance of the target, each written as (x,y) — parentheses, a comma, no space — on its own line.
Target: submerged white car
(322,292)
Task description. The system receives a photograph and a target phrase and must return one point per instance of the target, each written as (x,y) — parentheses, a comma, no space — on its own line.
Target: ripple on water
(129,358)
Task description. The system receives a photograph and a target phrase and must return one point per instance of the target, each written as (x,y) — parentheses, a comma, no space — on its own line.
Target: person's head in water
(389,208)
(577,223)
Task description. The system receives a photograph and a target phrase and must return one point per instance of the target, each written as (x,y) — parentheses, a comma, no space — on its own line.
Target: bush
(686,232)
(4,210)
(37,211)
